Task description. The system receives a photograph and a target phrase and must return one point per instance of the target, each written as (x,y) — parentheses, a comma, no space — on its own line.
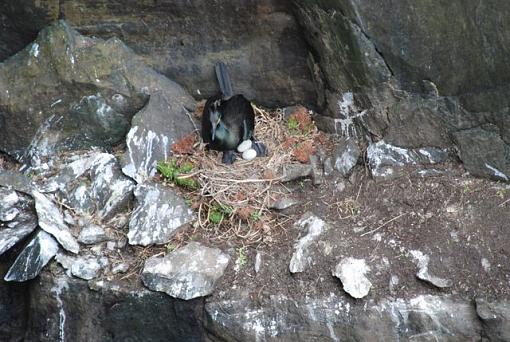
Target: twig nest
(244,146)
(249,154)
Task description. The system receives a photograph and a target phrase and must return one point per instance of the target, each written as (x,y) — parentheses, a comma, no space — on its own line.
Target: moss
(175,173)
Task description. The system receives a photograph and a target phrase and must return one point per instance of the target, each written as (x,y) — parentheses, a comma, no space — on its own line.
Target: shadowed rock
(346,155)
(187,273)
(33,258)
(17,218)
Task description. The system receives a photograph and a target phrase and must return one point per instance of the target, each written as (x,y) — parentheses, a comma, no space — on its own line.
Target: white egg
(245,145)
(249,154)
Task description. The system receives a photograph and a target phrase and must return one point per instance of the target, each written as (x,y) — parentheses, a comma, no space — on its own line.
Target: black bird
(228,120)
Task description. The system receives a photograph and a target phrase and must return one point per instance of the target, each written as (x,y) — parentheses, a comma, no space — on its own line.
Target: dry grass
(232,201)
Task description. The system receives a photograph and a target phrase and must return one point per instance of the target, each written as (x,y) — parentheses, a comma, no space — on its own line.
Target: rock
(495,318)
(87,268)
(422,261)
(484,153)
(158,215)
(118,304)
(312,227)
(317,171)
(328,166)
(120,268)
(17,218)
(110,189)
(346,155)
(352,273)
(92,234)
(258,262)
(16,180)
(388,161)
(187,273)
(295,171)
(33,258)
(161,123)
(52,221)
(57,114)
(283,203)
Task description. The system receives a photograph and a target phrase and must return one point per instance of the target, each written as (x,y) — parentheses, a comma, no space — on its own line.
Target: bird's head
(215,118)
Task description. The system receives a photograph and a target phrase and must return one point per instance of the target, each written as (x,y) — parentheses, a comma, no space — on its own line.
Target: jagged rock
(92,234)
(283,203)
(154,130)
(422,261)
(387,161)
(16,180)
(110,189)
(33,258)
(317,171)
(313,227)
(120,268)
(346,155)
(187,273)
(484,153)
(495,318)
(52,221)
(158,215)
(352,273)
(94,111)
(258,262)
(87,268)
(17,218)
(295,171)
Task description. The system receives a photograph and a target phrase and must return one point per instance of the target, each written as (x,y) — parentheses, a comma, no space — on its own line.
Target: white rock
(244,146)
(351,273)
(249,154)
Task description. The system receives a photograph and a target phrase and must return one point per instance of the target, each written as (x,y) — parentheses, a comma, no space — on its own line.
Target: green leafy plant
(175,174)
(293,125)
(242,258)
(255,216)
(218,212)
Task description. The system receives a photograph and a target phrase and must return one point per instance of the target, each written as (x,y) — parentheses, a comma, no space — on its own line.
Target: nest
(234,201)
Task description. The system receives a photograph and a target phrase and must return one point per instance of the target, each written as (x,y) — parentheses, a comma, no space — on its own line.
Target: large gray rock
(312,227)
(161,123)
(33,258)
(261,42)
(17,218)
(346,155)
(158,215)
(187,273)
(67,91)
(387,161)
(495,318)
(484,153)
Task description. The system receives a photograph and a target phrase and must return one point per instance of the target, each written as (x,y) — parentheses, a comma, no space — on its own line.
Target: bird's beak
(213,133)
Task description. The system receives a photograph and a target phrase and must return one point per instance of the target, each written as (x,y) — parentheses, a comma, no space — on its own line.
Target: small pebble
(244,146)
(249,154)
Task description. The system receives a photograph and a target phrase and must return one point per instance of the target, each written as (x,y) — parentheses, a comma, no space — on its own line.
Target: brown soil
(455,219)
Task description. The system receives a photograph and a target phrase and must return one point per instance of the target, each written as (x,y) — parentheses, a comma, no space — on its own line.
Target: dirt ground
(460,222)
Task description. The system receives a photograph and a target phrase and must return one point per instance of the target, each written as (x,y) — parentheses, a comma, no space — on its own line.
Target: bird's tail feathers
(224,79)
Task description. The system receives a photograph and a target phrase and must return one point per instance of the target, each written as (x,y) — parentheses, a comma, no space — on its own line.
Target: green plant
(218,212)
(176,174)
(242,258)
(255,216)
(293,125)
(170,247)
